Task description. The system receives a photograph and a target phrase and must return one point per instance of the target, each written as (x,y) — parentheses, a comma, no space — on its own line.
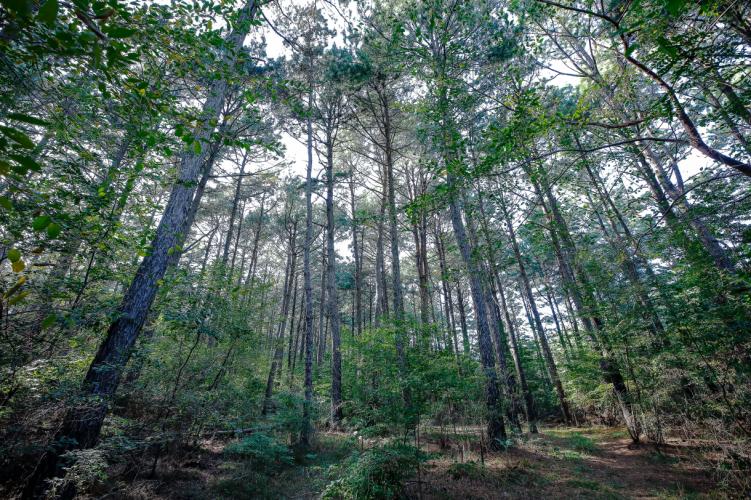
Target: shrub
(263,451)
(86,470)
(378,473)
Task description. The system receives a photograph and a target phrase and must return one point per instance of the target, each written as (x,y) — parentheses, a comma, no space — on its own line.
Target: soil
(557,463)
(569,463)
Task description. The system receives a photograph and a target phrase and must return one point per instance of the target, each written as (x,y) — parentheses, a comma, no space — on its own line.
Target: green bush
(264,452)
(378,473)
(86,469)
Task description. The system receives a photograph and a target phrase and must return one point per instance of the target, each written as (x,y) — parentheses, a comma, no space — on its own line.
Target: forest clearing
(371,249)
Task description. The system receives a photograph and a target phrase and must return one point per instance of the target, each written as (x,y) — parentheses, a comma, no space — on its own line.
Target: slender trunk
(593,324)
(496,429)
(708,240)
(382,301)
(333,293)
(462,318)
(529,404)
(548,355)
(306,434)
(290,281)
(446,287)
(233,211)
(692,132)
(358,258)
(322,308)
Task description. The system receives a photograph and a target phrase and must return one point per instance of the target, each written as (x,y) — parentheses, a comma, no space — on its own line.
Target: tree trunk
(593,324)
(306,434)
(529,404)
(333,293)
(462,319)
(290,285)
(496,429)
(233,211)
(82,424)
(547,353)
(358,258)
(382,301)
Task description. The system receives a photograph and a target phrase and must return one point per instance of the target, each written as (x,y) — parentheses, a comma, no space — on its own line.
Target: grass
(563,454)
(582,443)
(584,484)
(679,492)
(662,459)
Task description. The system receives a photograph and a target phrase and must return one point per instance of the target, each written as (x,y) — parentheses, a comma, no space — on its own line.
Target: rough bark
(333,293)
(82,424)
(306,434)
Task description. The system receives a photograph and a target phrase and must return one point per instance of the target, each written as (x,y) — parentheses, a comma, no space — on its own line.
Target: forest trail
(557,463)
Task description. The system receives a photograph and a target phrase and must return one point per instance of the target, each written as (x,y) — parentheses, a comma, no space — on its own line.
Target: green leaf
(674,7)
(20,7)
(48,12)
(40,223)
(15,288)
(27,162)
(18,298)
(53,230)
(120,32)
(26,118)
(18,266)
(197,147)
(49,321)
(14,255)
(6,203)
(16,135)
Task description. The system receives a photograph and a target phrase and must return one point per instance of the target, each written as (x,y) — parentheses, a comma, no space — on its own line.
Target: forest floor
(557,463)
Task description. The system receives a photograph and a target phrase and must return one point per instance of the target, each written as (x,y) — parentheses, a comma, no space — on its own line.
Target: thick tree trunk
(212,156)
(82,424)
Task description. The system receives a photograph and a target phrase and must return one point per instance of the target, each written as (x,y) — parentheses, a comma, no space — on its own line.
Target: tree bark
(333,293)
(306,434)
(82,424)
(495,429)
